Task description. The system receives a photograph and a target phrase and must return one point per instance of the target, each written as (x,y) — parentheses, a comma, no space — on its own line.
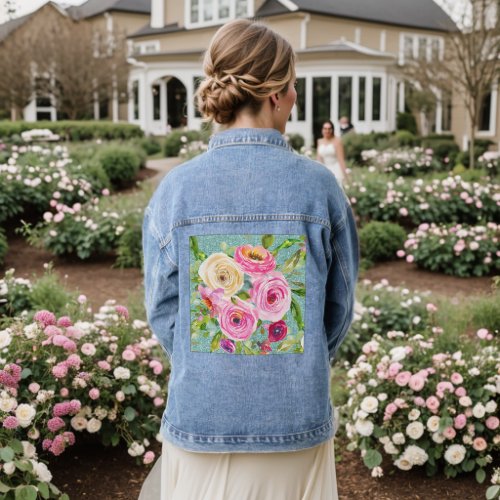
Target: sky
(26,6)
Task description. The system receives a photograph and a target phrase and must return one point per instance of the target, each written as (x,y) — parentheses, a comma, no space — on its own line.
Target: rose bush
(420,405)
(459,250)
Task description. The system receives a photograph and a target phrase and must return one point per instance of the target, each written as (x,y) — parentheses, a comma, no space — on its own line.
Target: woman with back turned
(250,261)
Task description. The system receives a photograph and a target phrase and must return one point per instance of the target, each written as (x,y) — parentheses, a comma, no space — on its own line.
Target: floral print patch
(248,293)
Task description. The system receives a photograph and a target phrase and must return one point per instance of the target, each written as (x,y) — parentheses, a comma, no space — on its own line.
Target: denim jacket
(250,262)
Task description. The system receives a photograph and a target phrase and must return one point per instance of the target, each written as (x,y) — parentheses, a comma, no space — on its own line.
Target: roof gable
(424,14)
(95,7)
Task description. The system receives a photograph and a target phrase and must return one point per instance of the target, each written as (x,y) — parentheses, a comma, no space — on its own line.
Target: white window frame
(141,48)
(493,114)
(216,19)
(415,37)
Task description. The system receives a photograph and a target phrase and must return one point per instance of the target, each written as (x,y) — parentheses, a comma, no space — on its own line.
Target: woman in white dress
(331,152)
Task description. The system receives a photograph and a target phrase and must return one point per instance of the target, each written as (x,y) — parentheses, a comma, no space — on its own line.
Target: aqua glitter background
(209,244)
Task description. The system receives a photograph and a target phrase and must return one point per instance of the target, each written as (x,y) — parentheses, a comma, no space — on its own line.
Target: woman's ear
(275,100)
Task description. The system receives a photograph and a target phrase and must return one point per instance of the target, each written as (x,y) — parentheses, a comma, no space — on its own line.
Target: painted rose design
(272,296)
(249,297)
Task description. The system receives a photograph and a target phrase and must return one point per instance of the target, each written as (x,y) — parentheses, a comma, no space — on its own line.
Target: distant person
(331,152)
(345,126)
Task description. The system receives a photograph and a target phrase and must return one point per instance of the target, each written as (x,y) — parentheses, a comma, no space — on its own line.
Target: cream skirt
(299,475)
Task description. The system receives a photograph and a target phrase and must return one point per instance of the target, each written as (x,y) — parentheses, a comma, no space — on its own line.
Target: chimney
(157,13)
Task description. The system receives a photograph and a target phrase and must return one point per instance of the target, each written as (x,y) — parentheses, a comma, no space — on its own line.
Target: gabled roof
(95,7)
(424,14)
(346,46)
(10,26)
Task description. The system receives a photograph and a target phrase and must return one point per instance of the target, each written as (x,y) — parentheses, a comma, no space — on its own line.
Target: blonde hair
(245,63)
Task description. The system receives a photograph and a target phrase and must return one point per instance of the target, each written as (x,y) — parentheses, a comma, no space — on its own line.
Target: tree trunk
(13,113)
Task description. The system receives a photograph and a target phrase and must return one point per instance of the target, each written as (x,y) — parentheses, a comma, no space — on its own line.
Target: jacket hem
(247,444)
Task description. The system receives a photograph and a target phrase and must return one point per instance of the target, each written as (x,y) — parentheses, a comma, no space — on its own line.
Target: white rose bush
(420,405)
(64,378)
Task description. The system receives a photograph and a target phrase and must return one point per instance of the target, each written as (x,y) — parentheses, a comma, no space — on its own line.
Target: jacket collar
(238,136)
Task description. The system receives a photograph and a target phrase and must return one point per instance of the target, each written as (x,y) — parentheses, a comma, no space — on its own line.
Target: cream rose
(416,455)
(403,463)
(433,423)
(221,271)
(79,423)
(415,430)
(5,338)
(41,471)
(455,454)
(7,404)
(364,427)
(94,425)
(369,404)
(398,438)
(25,414)
(479,410)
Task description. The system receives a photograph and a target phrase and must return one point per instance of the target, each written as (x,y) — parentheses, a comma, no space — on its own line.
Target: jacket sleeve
(161,283)
(341,282)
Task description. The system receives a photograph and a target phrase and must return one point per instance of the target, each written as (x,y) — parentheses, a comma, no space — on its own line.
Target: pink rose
(460,392)
(238,321)
(432,403)
(64,321)
(94,393)
(460,421)
(431,308)
(456,378)
(158,401)
(213,299)
(104,365)
(416,383)
(34,387)
(148,458)
(419,401)
(479,444)
(449,433)
(64,392)
(46,318)
(59,370)
(254,261)
(402,378)
(272,296)
(276,331)
(394,369)
(492,423)
(128,355)
(482,333)
(122,311)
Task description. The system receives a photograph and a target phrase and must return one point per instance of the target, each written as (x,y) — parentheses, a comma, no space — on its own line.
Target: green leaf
(480,476)
(492,492)
(301,292)
(297,314)
(24,465)
(115,439)
(267,240)
(129,414)
(4,488)
(468,465)
(243,295)
(291,263)
(372,459)
(26,493)
(16,445)
(215,344)
(7,454)
(64,497)
(129,389)
(26,373)
(43,488)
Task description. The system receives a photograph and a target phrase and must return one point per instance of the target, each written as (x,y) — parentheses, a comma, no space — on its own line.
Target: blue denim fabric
(250,182)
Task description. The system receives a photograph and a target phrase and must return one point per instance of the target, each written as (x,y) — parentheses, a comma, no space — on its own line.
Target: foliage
(177,139)
(47,292)
(120,163)
(459,250)
(355,144)
(4,246)
(151,145)
(296,141)
(77,130)
(445,149)
(129,248)
(379,241)
(406,121)
(15,295)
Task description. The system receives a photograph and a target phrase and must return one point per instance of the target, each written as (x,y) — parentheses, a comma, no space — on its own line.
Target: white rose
(399,438)
(29,450)
(490,407)
(384,439)
(479,410)
(369,404)
(382,396)
(465,401)
(31,331)
(433,423)
(5,338)
(364,427)
(121,372)
(361,388)
(438,438)
(403,463)
(377,472)
(467,440)
(390,449)
(414,414)
(94,425)
(136,449)
(415,430)
(34,434)
(455,454)
(474,372)
(397,353)
(9,468)
(79,423)
(221,271)
(7,404)
(416,455)
(120,396)
(42,472)
(25,414)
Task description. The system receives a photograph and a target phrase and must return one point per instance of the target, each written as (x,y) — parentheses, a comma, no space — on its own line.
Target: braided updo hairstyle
(245,63)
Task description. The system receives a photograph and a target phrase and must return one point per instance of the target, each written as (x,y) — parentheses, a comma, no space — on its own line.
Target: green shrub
(486,312)
(296,141)
(406,121)
(442,147)
(129,249)
(120,163)
(354,144)
(49,293)
(150,145)
(405,138)
(75,130)
(4,247)
(176,139)
(94,172)
(380,241)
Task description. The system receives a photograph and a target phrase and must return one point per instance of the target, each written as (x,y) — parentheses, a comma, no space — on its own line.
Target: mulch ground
(91,471)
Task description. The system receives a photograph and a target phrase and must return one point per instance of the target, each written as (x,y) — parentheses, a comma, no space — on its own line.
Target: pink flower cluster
(57,445)
(66,408)
(10,375)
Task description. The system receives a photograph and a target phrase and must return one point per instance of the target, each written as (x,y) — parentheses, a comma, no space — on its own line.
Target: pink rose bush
(248,299)
(458,249)
(423,406)
(62,377)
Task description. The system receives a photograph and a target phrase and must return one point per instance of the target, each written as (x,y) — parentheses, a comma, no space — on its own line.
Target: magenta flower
(46,444)
(122,311)
(238,321)
(64,321)
(227,345)
(277,331)
(10,423)
(55,423)
(60,370)
(44,317)
(52,330)
(272,296)
(213,299)
(58,445)
(255,261)
(74,361)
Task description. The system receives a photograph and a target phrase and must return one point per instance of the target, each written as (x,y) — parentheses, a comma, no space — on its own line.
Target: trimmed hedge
(75,130)
(379,241)
(120,163)
(406,121)
(176,139)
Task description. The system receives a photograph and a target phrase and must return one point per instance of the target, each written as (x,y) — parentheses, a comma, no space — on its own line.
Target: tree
(469,64)
(10,8)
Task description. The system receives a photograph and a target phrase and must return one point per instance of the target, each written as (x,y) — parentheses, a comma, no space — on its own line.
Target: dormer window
(210,12)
